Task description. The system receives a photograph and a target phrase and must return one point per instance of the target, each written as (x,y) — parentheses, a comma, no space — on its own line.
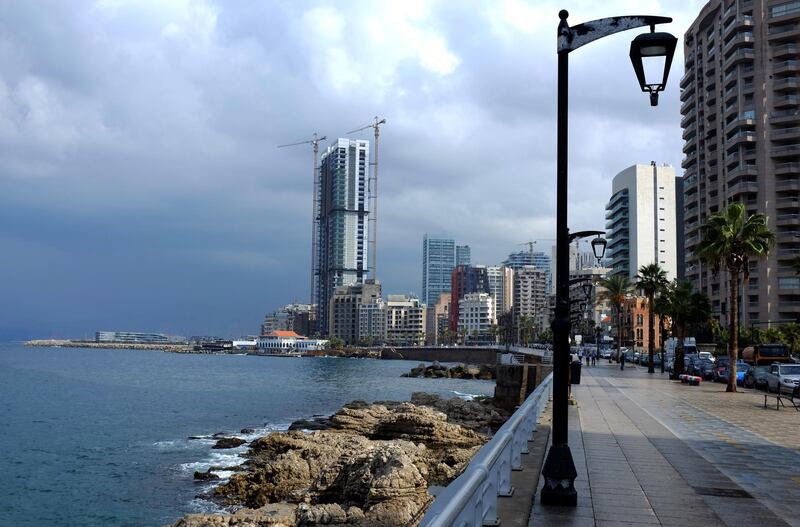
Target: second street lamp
(559,469)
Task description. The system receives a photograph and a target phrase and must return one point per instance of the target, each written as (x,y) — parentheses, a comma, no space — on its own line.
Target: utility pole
(372,222)
(315,176)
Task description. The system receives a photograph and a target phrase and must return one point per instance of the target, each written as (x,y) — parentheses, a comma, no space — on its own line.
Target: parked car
(721,369)
(722,373)
(783,377)
(606,353)
(756,377)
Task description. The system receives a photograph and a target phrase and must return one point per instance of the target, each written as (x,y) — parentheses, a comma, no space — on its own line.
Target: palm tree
(730,238)
(687,309)
(616,288)
(651,279)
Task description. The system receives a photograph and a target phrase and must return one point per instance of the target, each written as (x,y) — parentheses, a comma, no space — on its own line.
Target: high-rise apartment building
(476,316)
(405,321)
(342,237)
(641,220)
(463,255)
(466,279)
(741,128)
(501,287)
(530,298)
(438,261)
(437,321)
(537,259)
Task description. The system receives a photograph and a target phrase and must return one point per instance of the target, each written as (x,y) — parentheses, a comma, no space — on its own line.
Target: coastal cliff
(367,464)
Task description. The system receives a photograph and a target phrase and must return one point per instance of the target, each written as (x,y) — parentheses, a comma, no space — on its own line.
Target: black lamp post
(559,469)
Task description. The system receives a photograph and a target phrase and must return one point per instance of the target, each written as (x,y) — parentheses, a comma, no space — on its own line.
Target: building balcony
(791,84)
(791,203)
(688,119)
(787,219)
(785,101)
(742,55)
(687,79)
(744,21)
(743,187)
(783,32)
(784,134)
(690,181)
(785,50)
(784,116)
(740,137)
(743,170)
(785,151)
(787,168)
(742,39)
(688,105)
(741,122)
(786,185)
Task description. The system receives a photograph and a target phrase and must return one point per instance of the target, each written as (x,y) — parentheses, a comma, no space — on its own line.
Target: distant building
(640,220)
(463,255)
(438,261)
(501,287)
(344,309)
(437,321)
(291,317)
(635,325)
(587,314)
(537,259)
(476,316)
(288,342)
(372,323)
(466,279)
(341,246)
(405,321)
(530,299)
(131,337)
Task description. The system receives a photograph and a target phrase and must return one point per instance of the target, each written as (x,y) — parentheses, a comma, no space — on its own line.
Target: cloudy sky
(140,184)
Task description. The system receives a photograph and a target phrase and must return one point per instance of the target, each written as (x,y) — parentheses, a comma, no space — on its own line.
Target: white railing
(471,499)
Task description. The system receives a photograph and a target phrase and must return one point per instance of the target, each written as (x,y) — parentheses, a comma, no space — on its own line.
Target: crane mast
(315,177)
(372,221)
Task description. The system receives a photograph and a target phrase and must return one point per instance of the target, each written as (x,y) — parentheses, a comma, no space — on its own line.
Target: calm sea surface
(99,437)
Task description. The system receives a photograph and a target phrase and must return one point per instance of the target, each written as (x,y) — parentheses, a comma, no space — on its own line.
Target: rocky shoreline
(367,464)
(460,371)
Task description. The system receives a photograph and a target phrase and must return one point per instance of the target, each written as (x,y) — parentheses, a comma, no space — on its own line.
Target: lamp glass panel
(653,66)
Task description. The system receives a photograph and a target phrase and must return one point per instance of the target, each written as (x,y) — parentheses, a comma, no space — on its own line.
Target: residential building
(344,312)
(405,321)
(530,299)
(466,279)
(342,237)
(635,324)
(372,323)
(463,255)
(641,220)
(291,317)
(501,287)
(476,317)
(537,259)
(741,127)
(437,321)
(438,261)
(587,313)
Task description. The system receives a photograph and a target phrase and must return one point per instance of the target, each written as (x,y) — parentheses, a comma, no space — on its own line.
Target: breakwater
(66,343)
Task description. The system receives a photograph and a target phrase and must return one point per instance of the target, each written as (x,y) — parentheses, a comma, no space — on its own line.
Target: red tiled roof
(281,333)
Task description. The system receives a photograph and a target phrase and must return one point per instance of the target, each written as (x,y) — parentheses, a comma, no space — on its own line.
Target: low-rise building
(372,323)
(132,337)
(344,309)
(288,342)
(405,321)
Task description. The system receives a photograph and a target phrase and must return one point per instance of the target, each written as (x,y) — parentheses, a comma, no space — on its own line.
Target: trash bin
(575,373)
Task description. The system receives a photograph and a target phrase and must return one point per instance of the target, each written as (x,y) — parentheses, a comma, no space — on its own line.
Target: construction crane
(373,198)
(314,142)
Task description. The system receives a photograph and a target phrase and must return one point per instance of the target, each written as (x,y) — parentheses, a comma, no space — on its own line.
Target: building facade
(741,128)
(405,321)
(466,279)
(137,338)
(438,261)
(372,323)
(343,220)
(537,259)
(344,312)
(501,287)
(463,255)
(476,316)
(641,220)
(437,321)
(291,317)
(531,307)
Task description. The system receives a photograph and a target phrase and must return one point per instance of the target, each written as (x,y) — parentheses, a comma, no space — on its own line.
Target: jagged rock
(205,476)
(247,431)
(229,442)
(273,515)
(311,424)
(479,414)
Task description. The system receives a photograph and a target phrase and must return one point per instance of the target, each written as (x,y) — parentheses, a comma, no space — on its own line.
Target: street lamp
(559,469)
(599,247)
(657,49)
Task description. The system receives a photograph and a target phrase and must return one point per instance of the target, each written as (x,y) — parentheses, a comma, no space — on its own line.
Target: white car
(783,377)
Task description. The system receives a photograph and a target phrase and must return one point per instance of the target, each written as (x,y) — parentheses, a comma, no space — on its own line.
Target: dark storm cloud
(140,183)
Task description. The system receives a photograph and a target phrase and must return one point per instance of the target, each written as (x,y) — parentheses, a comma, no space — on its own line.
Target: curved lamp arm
(571,38)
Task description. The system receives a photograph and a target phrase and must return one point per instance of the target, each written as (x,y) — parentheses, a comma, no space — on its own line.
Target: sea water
(95,437)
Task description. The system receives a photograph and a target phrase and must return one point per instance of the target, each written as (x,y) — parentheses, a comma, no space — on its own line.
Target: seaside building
(344,313)
(501,287)
(291,317)
(586,314)
(437,321)
(131,337)
(405,321)
(476,316)
(463,255)
(466,279)
(438,261)
(288,342)
(641,220)
(531,309)
(372,323)
(537,259)
(740,126)
(342,238)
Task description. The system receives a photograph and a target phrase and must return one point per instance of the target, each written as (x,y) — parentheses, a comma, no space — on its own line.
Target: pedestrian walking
(586,354)
(594,358)
(621,361)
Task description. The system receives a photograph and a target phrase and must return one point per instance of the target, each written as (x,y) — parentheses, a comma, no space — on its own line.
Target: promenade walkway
(654,452)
